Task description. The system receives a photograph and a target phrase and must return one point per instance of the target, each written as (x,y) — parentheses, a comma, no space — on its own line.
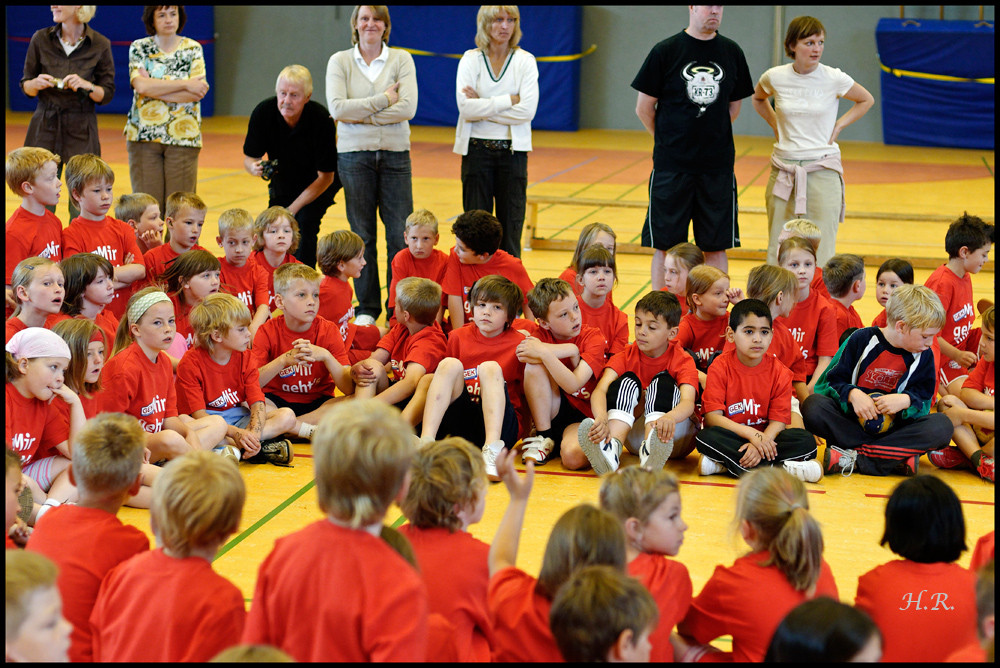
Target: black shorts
(464,418)
(297,408)
(568,414)
(707,200)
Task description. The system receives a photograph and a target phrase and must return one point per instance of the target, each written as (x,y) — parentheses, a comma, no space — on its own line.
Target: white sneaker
(654,453)
(708,466)
(230,452)
(536,447)
(809,471)
(364,320)
(490,452)
(604,457)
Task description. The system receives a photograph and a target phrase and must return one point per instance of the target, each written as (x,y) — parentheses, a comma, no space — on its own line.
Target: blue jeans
(376,180)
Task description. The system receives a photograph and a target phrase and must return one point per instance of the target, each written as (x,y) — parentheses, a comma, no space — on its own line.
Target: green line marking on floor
(988,168)
(264,520)
(400,521)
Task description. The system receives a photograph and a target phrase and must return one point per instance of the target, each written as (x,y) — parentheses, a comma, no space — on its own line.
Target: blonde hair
(776,505)
(804,228)
(24,275)
(78,334)
(271,216)
(217,312)
(446,476)
(795,243)
(583,536)
(197,501)
(297,75)
(486,16)
(765,281)
(688,254)
(362,452)
(107,453)
(27,572)
(86,13)
(381,13)
(420,297)
(24,164)
(586,240)
(84,169)
(131,207)
(235,220)
(636,492)
(123,335)
(176,201)
(917,306)
(700,280)
(422,218)
(252,654)
(290,272)
(336,247)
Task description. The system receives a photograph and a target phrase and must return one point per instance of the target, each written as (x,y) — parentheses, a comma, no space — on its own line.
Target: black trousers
(309,219)
(623,395)
(723,445)
(500,178)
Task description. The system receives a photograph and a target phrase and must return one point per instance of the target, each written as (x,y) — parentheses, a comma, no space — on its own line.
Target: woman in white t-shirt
(806,174)
(497,91)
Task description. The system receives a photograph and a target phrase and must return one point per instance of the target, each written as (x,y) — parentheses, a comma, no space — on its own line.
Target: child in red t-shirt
(924,603)
(36,631)
(86,539)
(240,275)
(37,288)
(813,320)
(477,390)
(653,368)
(341,255)
(143,380)
(844,276)
(16,530)
(702,331)
(447,493)
(476,254)
(420,257)
(648,505)
(596,274)
(972,412)
(363,453)
(190,278)
(197,506)
(36,428)
(968,242)
(217,377)
(750,598)
(808,230)
(90,181)
(277,237)
(678,261)
(410,351)
(89,289)
(141,212)
(184,217)
(893,273)
(300,354)
(33,175)
(519,604)
(747,404)
(563,358)
(599,234)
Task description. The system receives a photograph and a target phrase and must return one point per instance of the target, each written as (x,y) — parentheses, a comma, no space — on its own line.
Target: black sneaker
(276,451)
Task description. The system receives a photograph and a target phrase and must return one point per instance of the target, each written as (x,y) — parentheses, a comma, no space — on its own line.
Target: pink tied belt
(793,177)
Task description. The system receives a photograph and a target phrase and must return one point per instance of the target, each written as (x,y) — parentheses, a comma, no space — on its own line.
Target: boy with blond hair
(184,217)
(90,181)
(142,213)
(808,230)
(33,175)
(341,255)
(420,257)
(34,629)
(844,277)
(412,349)
(239,275)
(362,455)
(86,539)
(881,374)
(300,354)
(217,377)
(197,504)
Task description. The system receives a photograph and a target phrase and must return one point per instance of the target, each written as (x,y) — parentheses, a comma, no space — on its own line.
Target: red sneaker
(948,458)
(985,468)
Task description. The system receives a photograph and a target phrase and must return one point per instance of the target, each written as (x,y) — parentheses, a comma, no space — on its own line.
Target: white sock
(306,430)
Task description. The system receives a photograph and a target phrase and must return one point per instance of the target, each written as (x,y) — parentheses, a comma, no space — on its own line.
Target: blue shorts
(237,416)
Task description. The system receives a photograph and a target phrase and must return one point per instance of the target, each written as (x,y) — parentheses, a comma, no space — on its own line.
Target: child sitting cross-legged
(411,350)
(240,276)
(341,255)
(86,539)
(217,377)
(197,505)
(748,404)
(654,367)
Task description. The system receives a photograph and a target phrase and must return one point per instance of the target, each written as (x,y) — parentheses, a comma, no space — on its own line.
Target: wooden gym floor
(884,184)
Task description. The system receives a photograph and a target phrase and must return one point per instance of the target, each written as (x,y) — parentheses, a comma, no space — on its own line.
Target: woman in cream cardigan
(497,91)
(371,91)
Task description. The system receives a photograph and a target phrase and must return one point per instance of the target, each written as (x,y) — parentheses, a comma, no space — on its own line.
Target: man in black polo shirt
(690,91)
(302,137)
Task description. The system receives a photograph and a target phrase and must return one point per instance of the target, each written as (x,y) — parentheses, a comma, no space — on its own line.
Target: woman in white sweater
(371,91)
(806,174)
(497,91)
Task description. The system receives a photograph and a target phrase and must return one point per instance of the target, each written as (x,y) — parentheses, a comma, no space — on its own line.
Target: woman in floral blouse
(163,130)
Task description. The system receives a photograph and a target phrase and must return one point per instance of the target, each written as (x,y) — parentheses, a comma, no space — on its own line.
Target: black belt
(492,144)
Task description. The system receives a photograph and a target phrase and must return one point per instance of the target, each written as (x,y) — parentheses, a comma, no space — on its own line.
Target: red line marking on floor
(565,473)
(298,455)
(978,503)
